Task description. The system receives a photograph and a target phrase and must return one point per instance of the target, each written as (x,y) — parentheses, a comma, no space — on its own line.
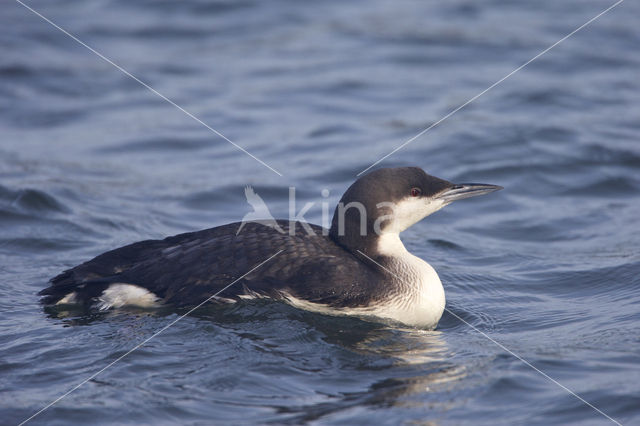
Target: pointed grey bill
(466,190)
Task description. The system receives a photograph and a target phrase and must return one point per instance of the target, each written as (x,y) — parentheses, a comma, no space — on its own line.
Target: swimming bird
(359,267)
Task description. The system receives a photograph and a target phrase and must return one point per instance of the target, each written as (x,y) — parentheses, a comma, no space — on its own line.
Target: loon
(359,267)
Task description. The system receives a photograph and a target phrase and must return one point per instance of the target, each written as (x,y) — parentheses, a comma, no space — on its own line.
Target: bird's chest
(416,296)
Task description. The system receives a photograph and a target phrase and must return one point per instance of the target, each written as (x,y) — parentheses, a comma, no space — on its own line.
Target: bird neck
(352,239)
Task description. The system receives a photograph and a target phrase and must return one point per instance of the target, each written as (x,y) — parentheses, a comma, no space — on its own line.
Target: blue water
(549,268)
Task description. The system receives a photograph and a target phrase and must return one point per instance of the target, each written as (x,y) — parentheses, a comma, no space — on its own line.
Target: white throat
(407,212)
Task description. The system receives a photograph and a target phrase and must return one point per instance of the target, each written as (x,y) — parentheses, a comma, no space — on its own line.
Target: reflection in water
(424,356)
(417,364)
(408,346)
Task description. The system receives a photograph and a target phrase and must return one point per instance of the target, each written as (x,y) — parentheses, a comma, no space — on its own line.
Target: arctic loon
(360,267)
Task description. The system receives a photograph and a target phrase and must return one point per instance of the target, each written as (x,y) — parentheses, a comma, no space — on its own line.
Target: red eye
(415,192)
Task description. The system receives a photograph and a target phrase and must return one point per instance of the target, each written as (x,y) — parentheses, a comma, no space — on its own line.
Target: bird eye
(415,192)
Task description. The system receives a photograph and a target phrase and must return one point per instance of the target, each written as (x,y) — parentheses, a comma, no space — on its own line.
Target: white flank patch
(69,299)
(121,294)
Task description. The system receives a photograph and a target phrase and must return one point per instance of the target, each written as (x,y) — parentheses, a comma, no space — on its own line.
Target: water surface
(549,267)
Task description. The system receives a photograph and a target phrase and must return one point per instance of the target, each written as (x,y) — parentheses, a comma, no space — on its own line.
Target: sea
(123,121)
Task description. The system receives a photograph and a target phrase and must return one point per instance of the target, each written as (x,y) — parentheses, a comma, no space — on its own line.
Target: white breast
(419,299)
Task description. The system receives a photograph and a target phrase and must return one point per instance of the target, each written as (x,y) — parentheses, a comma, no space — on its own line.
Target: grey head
(390,200)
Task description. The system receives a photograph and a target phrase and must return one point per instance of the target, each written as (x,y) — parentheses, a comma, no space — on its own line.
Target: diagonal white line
(492,86)
(535,368)
(504,348)
(154,91)
(146,340)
